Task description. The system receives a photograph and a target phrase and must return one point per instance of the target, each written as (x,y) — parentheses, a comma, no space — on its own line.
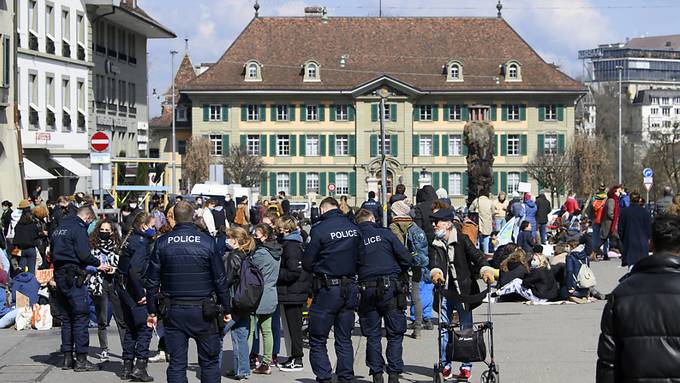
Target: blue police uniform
(383,296)
(332,256)
(374,207)
(189,271)
(132,265)
(71,254)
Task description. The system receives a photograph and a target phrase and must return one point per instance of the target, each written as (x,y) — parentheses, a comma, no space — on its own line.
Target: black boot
(84,365)
(393,378)
(378,378)
(139,374)
(128,364)
(68,361)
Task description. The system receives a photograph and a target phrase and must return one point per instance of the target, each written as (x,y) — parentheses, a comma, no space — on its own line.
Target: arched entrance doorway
(390,180)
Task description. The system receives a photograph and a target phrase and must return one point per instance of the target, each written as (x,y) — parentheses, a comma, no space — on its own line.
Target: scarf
(617,210)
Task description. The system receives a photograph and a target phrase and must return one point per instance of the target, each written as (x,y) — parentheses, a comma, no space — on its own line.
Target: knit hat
(442,193)
(527,197)
(401,208)
(24,204)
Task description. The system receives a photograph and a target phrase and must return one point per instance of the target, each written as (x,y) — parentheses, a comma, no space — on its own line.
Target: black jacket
(6,220)
(542,283)
(515,270)
(335,246)
(134,261)
(71,244)
(294,283)
(542,209)
(638,342)
(26,235)
(230,210)
(423,211)
(384,255)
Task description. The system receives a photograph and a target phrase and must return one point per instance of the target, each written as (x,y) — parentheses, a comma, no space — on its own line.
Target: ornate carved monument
(479,138)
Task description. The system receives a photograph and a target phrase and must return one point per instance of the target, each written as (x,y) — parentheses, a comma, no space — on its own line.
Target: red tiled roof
(412,50)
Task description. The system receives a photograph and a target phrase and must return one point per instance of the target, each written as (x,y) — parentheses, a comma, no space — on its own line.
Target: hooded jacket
(543,208)
(293,284)
(26,284)
(423,211)
(530,210)
(267,258)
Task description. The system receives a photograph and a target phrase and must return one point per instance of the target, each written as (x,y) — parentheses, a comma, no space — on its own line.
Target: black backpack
(250,287)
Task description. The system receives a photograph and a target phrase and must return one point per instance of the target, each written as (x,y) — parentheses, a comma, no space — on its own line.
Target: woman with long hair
(26,235)
(105,244)
(345,208)
(134,260)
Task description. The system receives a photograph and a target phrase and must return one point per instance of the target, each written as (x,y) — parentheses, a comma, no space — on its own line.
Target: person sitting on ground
(514,266)
(526,238)
(538,286)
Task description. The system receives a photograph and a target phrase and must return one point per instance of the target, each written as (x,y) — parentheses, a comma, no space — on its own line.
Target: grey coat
(267,258)
(608,220)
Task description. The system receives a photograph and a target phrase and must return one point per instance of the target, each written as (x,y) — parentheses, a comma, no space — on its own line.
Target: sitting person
(502,253)
(570,291)
(538,286)
(8,313)
(515,266)
(526,239)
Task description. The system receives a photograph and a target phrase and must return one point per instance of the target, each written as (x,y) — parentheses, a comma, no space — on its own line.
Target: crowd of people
(276,270)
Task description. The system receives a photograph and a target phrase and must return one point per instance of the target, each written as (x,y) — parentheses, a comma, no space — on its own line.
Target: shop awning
(35,172)
(73,166)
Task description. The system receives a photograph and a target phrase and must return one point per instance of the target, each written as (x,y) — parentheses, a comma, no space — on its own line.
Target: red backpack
(598,210)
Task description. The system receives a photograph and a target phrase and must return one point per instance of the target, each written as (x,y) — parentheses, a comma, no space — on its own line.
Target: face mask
(4,208)
(126,213)
(105,235)
(440,234)
(231,244)
(534,264)
(133,206)
(150,231)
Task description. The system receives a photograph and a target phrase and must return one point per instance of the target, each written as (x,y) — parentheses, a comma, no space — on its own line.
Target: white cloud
(290,8)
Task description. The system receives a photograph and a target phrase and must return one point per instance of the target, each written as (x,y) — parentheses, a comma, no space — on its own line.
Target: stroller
(467,345)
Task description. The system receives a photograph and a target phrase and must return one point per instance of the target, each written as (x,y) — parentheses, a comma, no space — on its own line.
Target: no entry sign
(100,142)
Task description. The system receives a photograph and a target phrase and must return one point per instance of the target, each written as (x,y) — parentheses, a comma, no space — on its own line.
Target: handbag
(466,345)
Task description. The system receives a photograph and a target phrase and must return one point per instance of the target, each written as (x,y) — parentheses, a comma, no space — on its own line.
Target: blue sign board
(647,172)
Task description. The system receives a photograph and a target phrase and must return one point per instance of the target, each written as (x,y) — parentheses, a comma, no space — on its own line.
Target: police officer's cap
(443,215)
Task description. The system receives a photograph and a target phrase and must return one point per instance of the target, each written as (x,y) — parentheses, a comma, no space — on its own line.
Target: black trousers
(293,315)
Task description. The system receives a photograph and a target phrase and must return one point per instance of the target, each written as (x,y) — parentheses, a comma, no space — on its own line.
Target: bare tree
(590,162)
(664,155)
(552,172)
(196,161)
(241,167)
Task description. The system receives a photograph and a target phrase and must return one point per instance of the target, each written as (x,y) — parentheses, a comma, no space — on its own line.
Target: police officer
(331,256)
(191,277)
(383,286)
(71,255)
(373,206)
(132,265)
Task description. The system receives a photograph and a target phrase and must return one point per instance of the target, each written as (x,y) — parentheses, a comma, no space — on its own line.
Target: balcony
(142,138)
(100,49)
(100,106)
(112,53)
(49,46)
(65,49)
(133,60)
(122,109)
(122,56)
(112,108)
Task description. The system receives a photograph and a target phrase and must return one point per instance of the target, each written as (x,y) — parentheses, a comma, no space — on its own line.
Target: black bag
(466,346)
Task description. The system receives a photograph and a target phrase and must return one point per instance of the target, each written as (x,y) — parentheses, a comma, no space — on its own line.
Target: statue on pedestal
(479,138)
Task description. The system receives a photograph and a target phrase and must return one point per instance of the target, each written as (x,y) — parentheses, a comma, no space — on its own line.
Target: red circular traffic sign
(331,187)
(100,141)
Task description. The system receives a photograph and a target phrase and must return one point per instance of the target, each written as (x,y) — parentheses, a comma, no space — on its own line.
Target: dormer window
(253,71)
(513,71)
(311,71)
(454,71)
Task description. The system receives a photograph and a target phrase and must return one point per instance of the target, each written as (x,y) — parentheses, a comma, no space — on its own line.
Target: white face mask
(535,264)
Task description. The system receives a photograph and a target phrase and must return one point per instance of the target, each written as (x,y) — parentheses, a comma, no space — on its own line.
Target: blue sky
(557,29)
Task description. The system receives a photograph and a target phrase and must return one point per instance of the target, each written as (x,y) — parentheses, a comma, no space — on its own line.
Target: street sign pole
(101,187)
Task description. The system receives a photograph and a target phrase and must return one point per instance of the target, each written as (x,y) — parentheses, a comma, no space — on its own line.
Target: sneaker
(292,365)
(263,369)
(447,373)
(254,361)
(464,375)
(578,300)
(104,356)
(275,360)
(160,357)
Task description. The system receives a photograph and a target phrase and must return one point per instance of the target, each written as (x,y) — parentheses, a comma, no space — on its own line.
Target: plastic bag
(42,317)
(24,318)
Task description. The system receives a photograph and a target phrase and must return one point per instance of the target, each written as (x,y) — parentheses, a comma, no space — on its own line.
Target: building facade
(656,112)
(53,66)
(304,96)
(10,188)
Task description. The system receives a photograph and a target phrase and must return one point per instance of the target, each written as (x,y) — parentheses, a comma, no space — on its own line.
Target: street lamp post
(620,69)
(383,93)
(174,166)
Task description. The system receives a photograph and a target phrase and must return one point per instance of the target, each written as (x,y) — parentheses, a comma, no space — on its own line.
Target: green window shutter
(495,145)
(393,112)
(244,112)
(322,145)
(272,184)
(541,112)
(435,145)
(263,183)
(465,112)
(225,112)
(323,185)
(560,143)
(351,112)
(331,145)
(374,145)
(272,145)
(303,147)
(523,176)
(374,112)
(504,182)
(446,112)
(504,112)
(464,148)
(464,187)
(416,113)
(445,145)
(322,112)
(541,144)
(353,183)
(303,112)
(293,145)
(225,144)
(263,145)
(293,184)
(494,187)
(352,145)
(560,112)
(435,180)
(435,112)
(244,142)
(523,144)
(523,112)
(331,177)
(303,182)
(291,112)
(394,145)
(331,112)
(494,112)
(445,181)
(206,112)
(504,145)
(272,113)
(416,145)
(416,178)
(262,113)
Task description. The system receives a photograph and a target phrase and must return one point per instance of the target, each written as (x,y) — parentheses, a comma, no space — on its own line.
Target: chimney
(314,11)
(129,3)
(668,44)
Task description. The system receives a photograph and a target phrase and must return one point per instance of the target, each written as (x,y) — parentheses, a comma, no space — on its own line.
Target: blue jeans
(484,243)
(27,259)
(596,237)
(465,322)
(239,343)
(543,230)
(499,223)
(9,318)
